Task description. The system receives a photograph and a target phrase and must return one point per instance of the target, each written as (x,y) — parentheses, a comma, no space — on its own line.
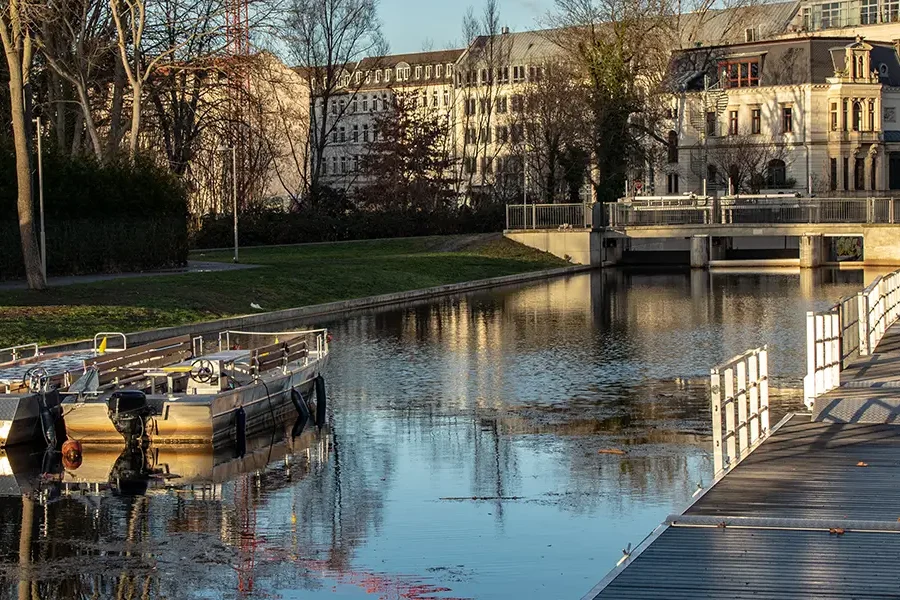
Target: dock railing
(548,216)
(848,330)
(739,394)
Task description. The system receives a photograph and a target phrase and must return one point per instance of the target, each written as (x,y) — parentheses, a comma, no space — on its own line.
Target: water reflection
(501,444)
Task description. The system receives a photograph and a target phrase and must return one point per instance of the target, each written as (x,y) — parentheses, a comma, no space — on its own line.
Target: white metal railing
(736,210)
(548,216)
(849,329)
(739,394)
(101,335)
(14,353)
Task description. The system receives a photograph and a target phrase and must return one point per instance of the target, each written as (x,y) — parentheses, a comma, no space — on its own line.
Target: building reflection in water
(465,457)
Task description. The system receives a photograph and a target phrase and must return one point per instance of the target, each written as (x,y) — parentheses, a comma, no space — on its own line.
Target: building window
(832,182)
(518,103)
(358,76)
(418,72)
(871,115)
(872,182)
(776,174)
(834,116)
(365,103)
(711,123)
(483,106)
(868,12)
(712,177)
(846,174)
(732,122)
(857,117)
(343,135)
(516,132)
(438,71)
(502,134)
(384,102)
(470,106)
(365,132)
(534,73)
(487,164)
(368,77)
(434,98)
(859,174)
(890,11)
(355,166)
(355,137)
(470,135)
(485,135)
(374,103)
(518,74)
(354,106)
(755,121)
(740,73)
(334,136)
(448,70)
(751,34)
(343,164)
(832,15)
(446,97)
(334,107)
(672,147)
(377,76)
(844,115)
(672,183)
(787,119)
(503,74)
(427,71)
(334,167)
(387,75)
(470,165)
(501,104)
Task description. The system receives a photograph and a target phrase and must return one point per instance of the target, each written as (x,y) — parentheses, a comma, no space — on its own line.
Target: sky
(413,26)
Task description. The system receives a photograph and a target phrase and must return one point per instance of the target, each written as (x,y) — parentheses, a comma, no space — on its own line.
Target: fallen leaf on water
(836,531)
(611,451)
(862,464)
(723,525)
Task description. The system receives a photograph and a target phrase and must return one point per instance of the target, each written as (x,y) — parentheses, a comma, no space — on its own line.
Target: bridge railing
(851,328)
(739,394)
(548,216)
(753,210)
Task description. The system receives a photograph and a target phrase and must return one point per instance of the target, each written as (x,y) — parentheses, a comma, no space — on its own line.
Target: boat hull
(20,418)
(199,419)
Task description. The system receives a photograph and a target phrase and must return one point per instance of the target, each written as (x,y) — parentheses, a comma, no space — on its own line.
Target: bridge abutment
(812,250)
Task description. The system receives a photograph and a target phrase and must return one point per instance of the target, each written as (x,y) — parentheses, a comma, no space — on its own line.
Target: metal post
(730,429)
(716,400)
(742,406)
(43,233)
(507,217)
(753,368)
(809,382)
(234,198)
(764,390)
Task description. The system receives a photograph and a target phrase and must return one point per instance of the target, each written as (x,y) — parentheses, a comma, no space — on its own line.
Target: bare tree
(747,163)
(328,39)
(17,20)
(548,131)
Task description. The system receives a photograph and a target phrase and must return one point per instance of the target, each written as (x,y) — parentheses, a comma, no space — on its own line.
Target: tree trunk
(137,91)
(30,253)
(114,137)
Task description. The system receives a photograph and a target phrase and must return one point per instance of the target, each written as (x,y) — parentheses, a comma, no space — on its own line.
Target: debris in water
(615,451)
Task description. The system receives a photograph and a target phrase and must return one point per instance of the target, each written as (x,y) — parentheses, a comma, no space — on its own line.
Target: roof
(522,46)
(729,26)
(437,57)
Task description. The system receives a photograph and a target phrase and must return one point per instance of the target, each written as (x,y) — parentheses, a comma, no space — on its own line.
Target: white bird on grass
(255,306)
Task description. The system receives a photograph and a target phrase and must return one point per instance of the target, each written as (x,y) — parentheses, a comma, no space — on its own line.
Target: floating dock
(808,510)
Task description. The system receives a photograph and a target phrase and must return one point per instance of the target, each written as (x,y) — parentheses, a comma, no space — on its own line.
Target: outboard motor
(129,412)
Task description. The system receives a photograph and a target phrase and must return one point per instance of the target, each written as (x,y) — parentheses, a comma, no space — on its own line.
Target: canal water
(502,444)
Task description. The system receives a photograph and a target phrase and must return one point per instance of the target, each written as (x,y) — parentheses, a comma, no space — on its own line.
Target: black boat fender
(320,401)
(300,404)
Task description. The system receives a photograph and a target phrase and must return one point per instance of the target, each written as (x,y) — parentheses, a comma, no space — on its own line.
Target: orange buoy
(71,454)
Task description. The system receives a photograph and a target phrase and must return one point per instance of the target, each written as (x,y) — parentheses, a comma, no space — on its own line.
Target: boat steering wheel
(202,370)
(36,378)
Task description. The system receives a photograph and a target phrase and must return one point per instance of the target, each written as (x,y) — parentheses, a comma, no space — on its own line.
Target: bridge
(709,231)
(808,508)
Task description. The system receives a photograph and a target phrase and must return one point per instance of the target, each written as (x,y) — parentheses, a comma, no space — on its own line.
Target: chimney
(504,30)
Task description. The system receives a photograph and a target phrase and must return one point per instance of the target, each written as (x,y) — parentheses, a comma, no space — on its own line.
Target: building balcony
(862,137)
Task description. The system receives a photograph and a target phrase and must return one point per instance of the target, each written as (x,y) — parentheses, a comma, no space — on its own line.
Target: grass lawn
(288,277)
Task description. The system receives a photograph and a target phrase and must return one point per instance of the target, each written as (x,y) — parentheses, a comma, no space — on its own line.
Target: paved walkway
(193,266)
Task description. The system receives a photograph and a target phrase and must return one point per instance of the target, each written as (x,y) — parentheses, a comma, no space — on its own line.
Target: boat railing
(101,335)
(321,336)
(739,394)
(14,353)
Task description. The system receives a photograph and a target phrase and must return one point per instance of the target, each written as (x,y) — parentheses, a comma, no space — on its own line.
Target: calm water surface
(462,459)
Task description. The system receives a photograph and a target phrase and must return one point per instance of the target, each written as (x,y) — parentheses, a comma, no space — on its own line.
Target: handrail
(849,329)
(741,432)
(13,351)
(549,216)
(228,333)
(106,334)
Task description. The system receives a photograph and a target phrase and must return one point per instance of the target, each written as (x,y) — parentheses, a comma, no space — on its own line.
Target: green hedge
(120,216)
(278,227)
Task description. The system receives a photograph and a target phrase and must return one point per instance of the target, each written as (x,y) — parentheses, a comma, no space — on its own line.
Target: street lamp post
(234,202)
(40,168)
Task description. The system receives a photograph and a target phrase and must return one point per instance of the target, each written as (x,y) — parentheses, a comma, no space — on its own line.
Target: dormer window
(427,71)
(751,34)
(387,75)
(377,76)
(742,72)
(438,71)
(418,72)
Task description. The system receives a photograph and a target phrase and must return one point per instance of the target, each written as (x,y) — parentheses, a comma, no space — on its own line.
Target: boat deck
(54,365)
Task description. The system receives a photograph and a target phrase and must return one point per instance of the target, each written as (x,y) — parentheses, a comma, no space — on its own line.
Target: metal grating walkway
(777,507)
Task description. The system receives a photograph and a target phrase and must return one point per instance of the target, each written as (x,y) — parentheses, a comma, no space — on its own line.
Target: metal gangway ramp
(810,509)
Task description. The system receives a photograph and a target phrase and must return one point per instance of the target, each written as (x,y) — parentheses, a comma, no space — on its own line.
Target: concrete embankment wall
(329,309)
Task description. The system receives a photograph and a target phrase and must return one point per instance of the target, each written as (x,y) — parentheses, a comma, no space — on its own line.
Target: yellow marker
(102,348)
